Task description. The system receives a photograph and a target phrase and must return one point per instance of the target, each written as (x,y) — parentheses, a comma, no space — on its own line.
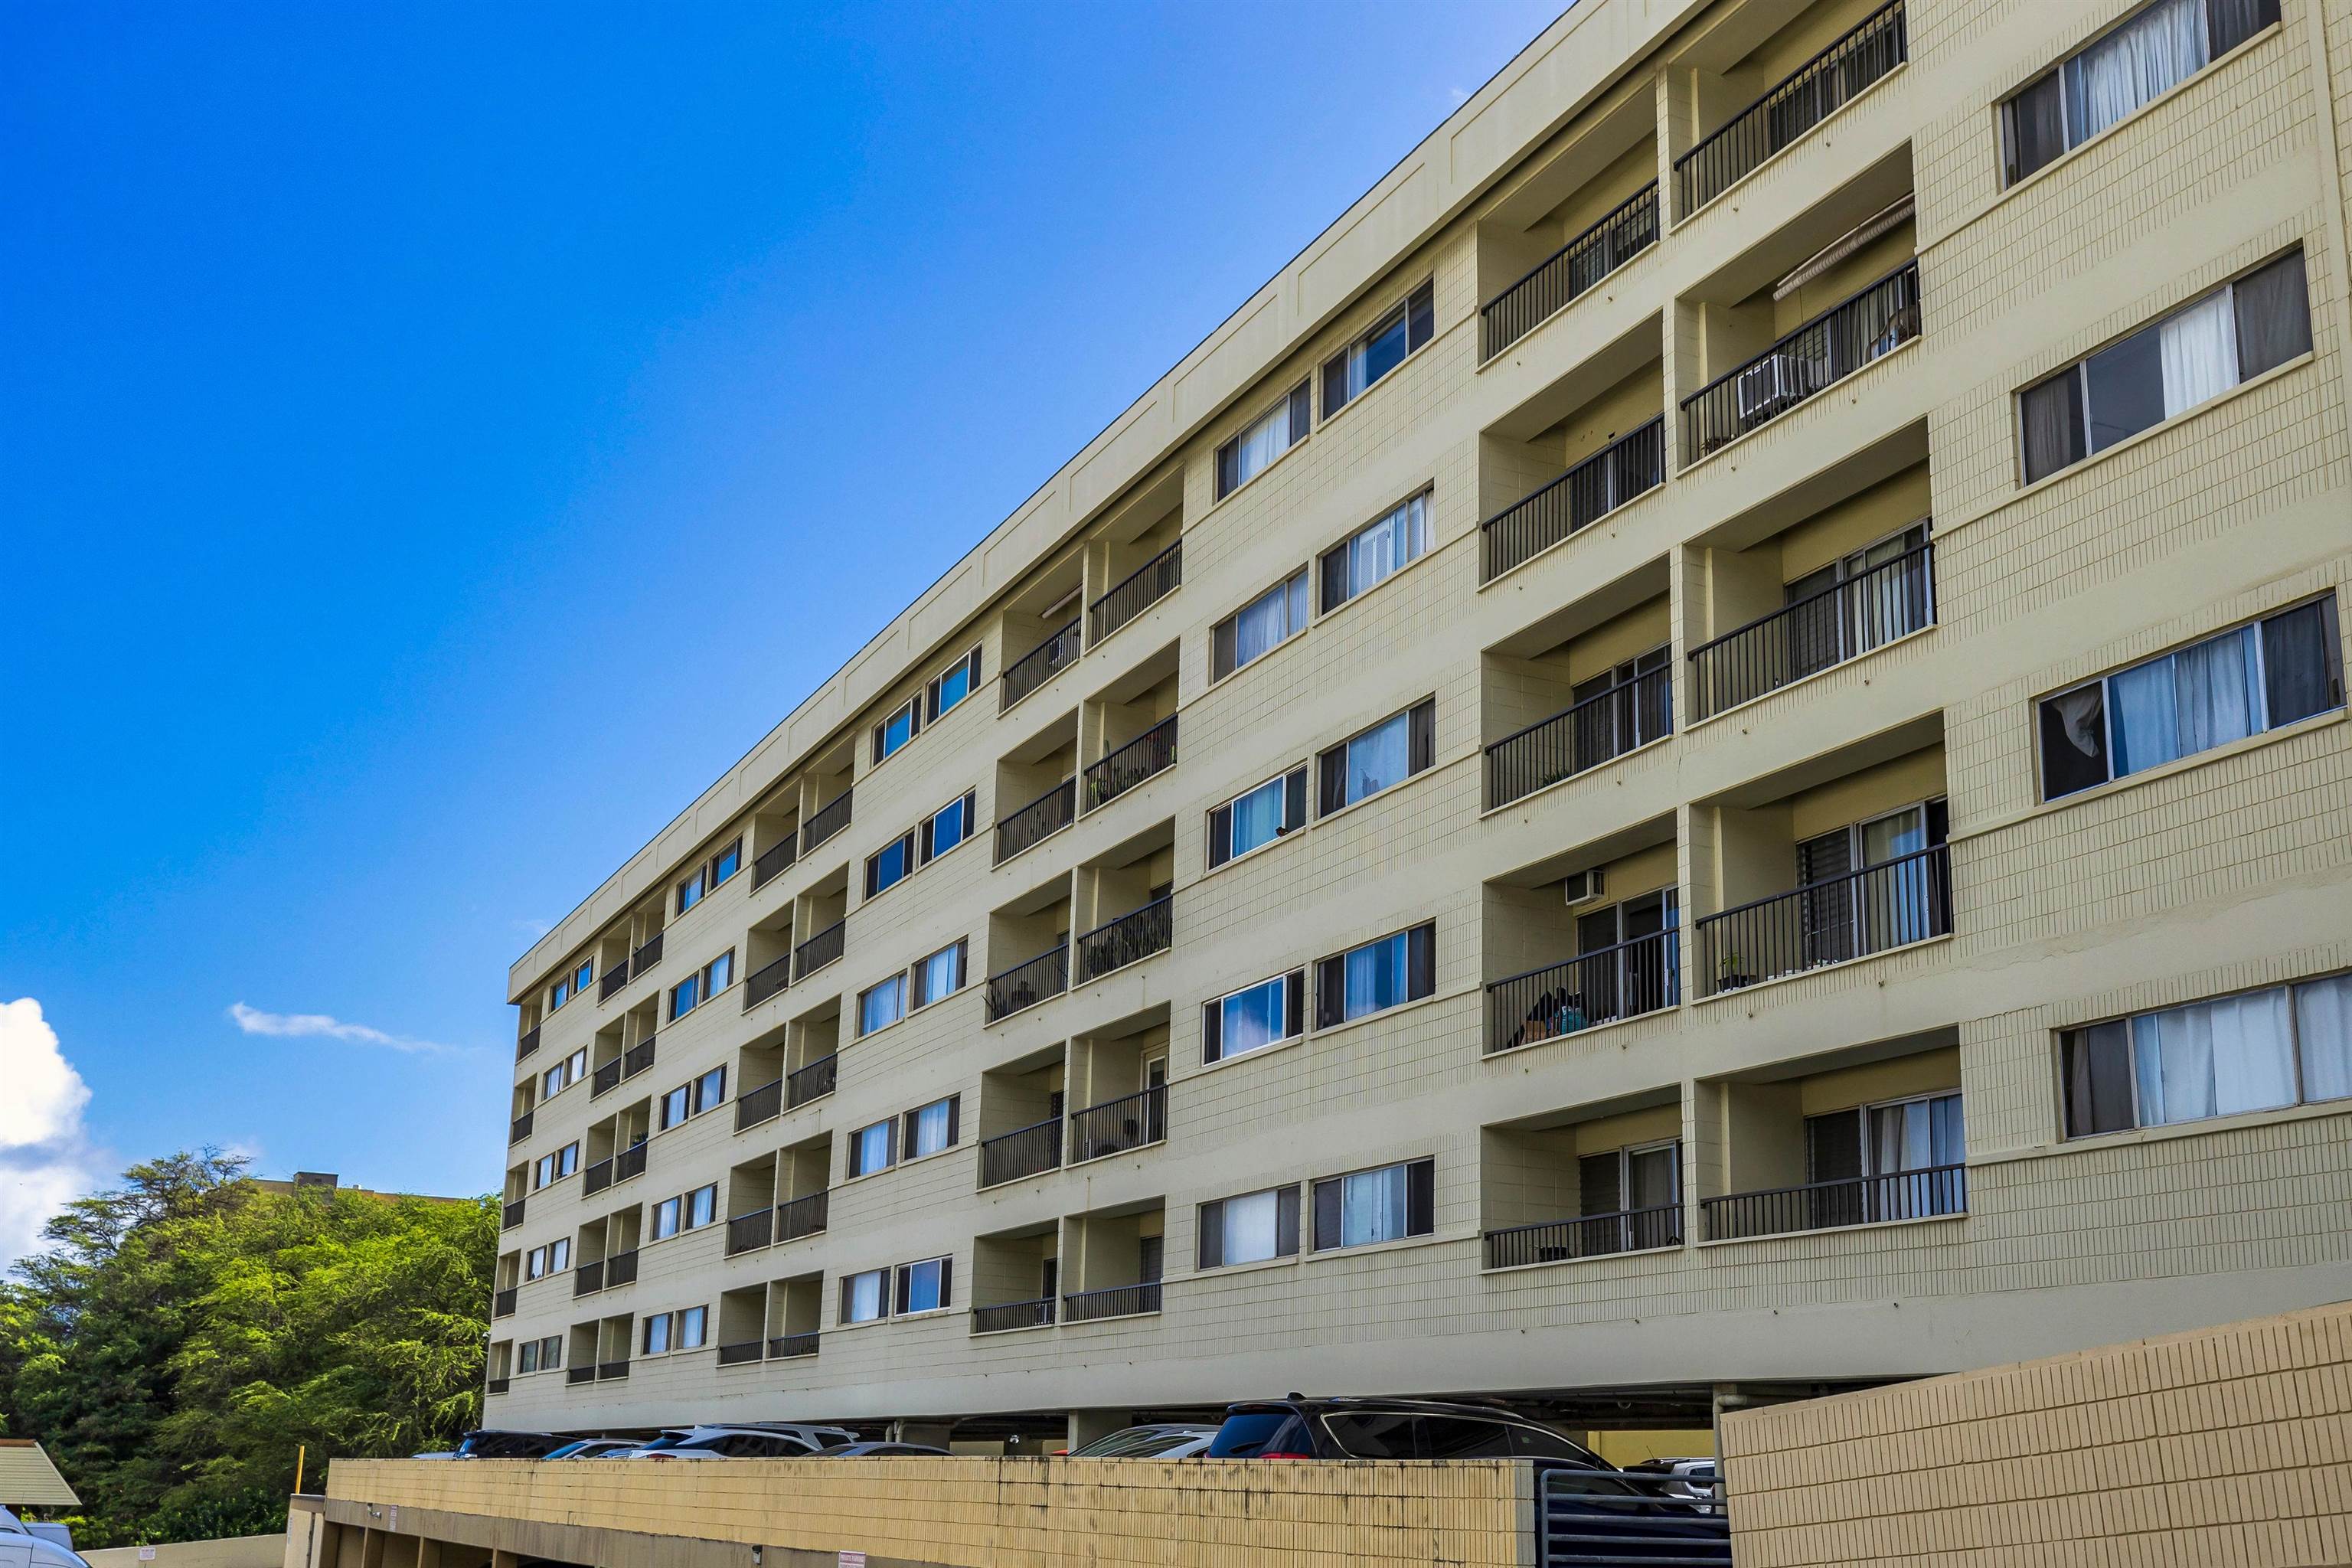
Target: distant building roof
(328,1182)
(26,1477)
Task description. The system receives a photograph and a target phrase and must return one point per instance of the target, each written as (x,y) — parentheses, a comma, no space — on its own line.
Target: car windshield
(1116,1442)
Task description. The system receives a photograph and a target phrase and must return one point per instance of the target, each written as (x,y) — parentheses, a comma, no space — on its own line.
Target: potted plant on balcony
(1731,972)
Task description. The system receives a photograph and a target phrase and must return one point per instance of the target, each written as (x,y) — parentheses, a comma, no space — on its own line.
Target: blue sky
(440,439)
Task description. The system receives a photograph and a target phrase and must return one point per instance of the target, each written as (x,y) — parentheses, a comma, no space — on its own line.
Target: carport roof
(26,1477)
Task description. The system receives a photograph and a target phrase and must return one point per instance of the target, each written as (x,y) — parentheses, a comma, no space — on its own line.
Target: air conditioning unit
(1584,887)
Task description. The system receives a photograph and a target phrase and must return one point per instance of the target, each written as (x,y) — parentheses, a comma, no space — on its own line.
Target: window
(883,1005)
(691,1322)
(1274,617)
(701,1205)
(542,1261)
(1257,817)
(948,827)
(932,1127)
(871,1150)
(2264,1050)
(656,1334)
(923,1287)
(706,878)
(888,866)
(2155,50)
(666,1217)
(563,1074)
(556,1166)
(864,1297)
(1371,761)
(899,729)
(1269,436)
(2255,678)
(1347,374)
(693,1098)
(674,1105)
(541,1356)
(1376,553)
(1386,1205)
(959,680)
(1896,1158)
(1249,1229)
(1254,1018)
(571,984)
(1380,974)
(1640,1186)
(940,974)
(2168,367)
(702,985)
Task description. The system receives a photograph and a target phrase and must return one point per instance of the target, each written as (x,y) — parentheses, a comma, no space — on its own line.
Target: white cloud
(254,1021)
(45,1159)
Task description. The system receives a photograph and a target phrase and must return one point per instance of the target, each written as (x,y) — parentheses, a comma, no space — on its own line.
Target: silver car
(37,1545)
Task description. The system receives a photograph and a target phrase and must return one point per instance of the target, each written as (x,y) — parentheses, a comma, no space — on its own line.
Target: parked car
(750,1440)
(1692,1478)
(1369,1428)
(597,1449)
(52,1544)
(878,1450)
(487,1445)
(1153,1440)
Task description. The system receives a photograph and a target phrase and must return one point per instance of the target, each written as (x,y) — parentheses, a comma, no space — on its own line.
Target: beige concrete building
(1701,757)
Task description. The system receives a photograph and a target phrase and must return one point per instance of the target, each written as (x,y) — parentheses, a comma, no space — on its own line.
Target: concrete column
(934,1433)
(1086,1425)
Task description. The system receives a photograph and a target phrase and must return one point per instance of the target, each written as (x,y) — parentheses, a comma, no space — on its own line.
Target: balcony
(498,1385)
(1868,325)
(1039,665)
(738,1355)
(595,1177)
(610,1371)
(1130,939)
(1150,752)
(775,861)
(645,957)
(1927,1193)
(749,1232)
(518,1129)
(1601,728)
(1038,820)
(825,824)
(1803,99)
(580,1374)
(1136,593)
(528,1044)
(1834,920)
(1132,1121)
(1631,466)
(1025,984)
(1118,1301)
(588,1279)
(621,1269)
(614,979)
(1029,1151)
(629,1161)
(637,1057)
(821,948)
(1006,1315)
(754,1106)
(813,1081)
(1825,629)
(1626,981)
(1568,272)
(1587,1236)
(784,1347)
(802,1216)
(605,1080)
(768,980)
(513,1216)
(502,1304)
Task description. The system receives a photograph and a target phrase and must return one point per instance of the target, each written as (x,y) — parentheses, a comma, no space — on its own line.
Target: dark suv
(1298,1429)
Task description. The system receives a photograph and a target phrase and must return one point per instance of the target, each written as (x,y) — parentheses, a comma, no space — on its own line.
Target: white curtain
(2131,65)
(1376,976)
(1252,1018)
(1373,1206)
(1256,816)
(2215,1058)
(873,1148)
(1377,758)
(865,1296)
(1895,903)
(1260,626)
(1397,540)
(930,1129)
(2198,347)
(2214,685)
(1262,443)
(1250,1229)
(2323,1022)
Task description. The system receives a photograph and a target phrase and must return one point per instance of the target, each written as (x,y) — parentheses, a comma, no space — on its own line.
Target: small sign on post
(851,1560)
(146,1554)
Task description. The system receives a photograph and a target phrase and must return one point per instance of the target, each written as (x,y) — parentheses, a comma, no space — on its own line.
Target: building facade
(1703,752)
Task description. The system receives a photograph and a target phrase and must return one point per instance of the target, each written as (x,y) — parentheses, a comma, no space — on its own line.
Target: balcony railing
(528,1043)
(621,1269)
(754,1106)
(1118,1125)
(1803,99)
(1626,232)
(824,823)
(1046,815)
(1843,339)
(821,948)
(647,956)
(588,1279)
(813,1081)
(518,1129)
(605,1080)
(637,1057)
(502,1304)
(1027,984)
(1589,1235)
(615,978)
(746,1232)
(1006,1315)
(1136,593)
(513,1215)
(1118,1301)
(1818,632)
(784,1347)
(736,1355)
(608,1371)
(775,860)
(1152,752)
(1029,1151)
(582,1373)
(802,1216)
(1823,1205)
(1625,981)
(1834,920)
(1632,465)
(629,1161)
(1603,727)
(1039,665)
(596,1177)
(768,980)
(498,1385)
(1131,937)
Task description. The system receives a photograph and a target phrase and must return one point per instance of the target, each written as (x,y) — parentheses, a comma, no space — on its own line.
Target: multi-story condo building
(1703,752)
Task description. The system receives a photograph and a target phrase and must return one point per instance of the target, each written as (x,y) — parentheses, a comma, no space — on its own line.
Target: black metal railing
(596,1177)
(1133,936)
(637,1057)
(1632,465)
(754,1106)
(1003,1315)
(498,1385)
(1039,665)
(821,948)
(1603,727)
(1118,1301)
(518,1129)
(1824,630)
(1048,814)
(1905,899)
(826,821)
(1136,593)
(1588,1235)
(606,1370)
(1823,1205)
(502,1304)
(528,1043)
(1801,99)
(605,1078)
(1028,1150)
(621,1269)
(768,980)
(802,1216)
(1152,752)
(783,1347)
(1027,984)
(813,1081)
(615,978)
(1879,318)
(629,1161)
(1118,1125)
(1591,1517)
(745,1350)
(588,1279)
(582,1373)
(746,1231)
(1629,229)
(775,860)
(511,1216)
(1625,981)
(647,956)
